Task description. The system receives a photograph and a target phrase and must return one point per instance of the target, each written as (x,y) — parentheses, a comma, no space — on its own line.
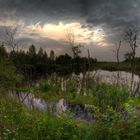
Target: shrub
(109,95)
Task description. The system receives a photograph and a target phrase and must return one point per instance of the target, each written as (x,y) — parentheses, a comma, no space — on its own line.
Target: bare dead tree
(76,49)
(70,37)
(117,51)
(131,37)
(10,38)
(11,41)
(88,57)
(88,75)
(117,55)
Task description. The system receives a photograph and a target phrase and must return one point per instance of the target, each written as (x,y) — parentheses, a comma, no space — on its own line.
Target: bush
(109,95)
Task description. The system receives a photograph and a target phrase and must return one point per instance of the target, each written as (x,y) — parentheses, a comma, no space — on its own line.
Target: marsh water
(121,78)
(80,111)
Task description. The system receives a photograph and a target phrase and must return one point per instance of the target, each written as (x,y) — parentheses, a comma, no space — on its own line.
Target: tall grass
(116,117)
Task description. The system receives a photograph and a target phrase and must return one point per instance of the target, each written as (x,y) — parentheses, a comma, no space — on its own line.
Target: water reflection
(32,101)
(79,111)
(109,77)
(123,79)
(118,78)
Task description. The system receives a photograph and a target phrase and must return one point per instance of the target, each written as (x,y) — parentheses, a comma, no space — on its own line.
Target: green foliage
(8,75)
(35,65)
(3,52)
(44,87)
(108,95)
(72,87)
(17,122)
(116,116)
(53,87)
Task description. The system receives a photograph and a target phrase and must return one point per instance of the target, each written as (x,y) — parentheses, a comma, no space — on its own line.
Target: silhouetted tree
(117,51)
(131,37)
(64,64)
(9,78)
(32,50)
(128,57)
(76,49)
(10,38)
(3,52)
(52,55)
(40,52)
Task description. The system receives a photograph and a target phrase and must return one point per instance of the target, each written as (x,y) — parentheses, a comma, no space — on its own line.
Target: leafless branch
(10,38)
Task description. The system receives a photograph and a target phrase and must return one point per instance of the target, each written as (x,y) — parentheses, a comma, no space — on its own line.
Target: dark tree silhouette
(131,37)
(52,55)
(10,38)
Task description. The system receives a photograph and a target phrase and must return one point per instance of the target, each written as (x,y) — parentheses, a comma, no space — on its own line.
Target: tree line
(33,64)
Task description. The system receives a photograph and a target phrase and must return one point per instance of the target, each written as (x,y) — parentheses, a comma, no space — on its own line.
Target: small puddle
(79,111)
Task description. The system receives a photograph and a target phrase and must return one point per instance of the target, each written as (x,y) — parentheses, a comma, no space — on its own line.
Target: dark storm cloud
(113,16)
(45,43)
(114,13)
(42,9)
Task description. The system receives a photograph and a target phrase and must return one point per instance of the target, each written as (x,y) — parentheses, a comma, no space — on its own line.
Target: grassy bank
(116,117)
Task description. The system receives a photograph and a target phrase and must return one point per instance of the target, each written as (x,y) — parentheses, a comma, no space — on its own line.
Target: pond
(80,111)
(112,77)
(118,78)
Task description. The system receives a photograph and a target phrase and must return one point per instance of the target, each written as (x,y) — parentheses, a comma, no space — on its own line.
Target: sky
(96,24)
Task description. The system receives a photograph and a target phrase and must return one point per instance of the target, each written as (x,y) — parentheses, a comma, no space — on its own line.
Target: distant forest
(34,64)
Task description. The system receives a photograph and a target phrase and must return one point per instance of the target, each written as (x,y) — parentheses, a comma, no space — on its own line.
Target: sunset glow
(96,25)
